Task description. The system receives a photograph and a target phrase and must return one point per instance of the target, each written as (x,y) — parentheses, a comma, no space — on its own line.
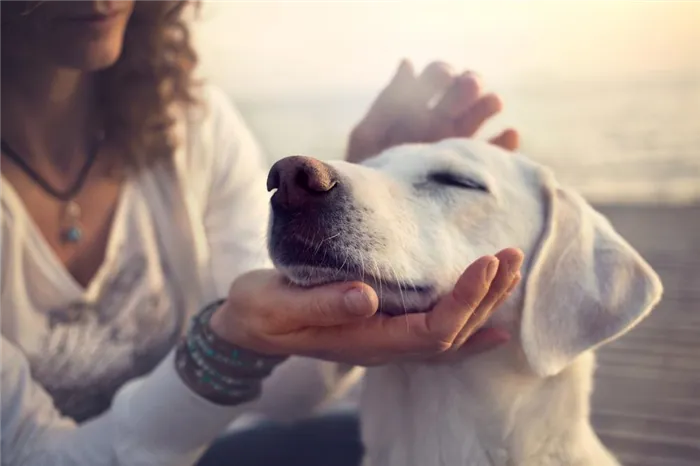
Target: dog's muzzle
(310,204)
(317,235)
(302,183)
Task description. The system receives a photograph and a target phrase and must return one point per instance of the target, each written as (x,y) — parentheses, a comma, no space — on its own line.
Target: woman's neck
(47,114)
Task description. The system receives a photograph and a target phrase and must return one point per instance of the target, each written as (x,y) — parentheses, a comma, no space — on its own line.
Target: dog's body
(486,410)
(408,222)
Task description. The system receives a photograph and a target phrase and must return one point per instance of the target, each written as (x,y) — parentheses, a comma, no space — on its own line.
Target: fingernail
(515,265)
(491,269)
(358,302)
(514,283)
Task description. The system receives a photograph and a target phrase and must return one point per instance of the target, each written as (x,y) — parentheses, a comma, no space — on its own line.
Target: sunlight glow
(322,46)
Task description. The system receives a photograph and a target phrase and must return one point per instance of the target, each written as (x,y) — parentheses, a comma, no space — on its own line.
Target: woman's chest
(76,228)
(87,349)
(83,343)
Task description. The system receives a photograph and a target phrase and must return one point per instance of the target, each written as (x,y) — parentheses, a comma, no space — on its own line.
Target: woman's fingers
(484,108)
(435,80)
(508,139)
(453,311)
(408,91)
(459,97)
(420,333)
(266,303)
(413,123)
(392,106)
(513,284)
(472,339)
(392,98)
(510,261)
(452,322)
(405,111)
(338,321)
(322,306)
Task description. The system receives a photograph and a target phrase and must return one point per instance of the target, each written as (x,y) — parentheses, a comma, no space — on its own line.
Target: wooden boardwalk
(646,404)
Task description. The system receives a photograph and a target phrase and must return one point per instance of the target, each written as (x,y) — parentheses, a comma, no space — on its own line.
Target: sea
(619,141)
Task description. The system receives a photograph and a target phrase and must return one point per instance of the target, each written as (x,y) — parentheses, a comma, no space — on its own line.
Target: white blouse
(104,353)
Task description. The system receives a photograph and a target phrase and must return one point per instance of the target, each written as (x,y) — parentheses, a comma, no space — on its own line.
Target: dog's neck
(487,410)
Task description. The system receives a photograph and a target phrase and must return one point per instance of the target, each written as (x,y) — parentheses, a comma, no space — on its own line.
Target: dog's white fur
(526,403)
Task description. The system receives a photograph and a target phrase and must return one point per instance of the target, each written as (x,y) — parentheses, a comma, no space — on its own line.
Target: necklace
(71,231)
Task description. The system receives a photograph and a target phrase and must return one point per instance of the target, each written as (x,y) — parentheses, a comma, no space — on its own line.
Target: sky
(286,47)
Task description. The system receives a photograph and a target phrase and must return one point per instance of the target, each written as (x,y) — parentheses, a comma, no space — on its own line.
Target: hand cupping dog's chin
(391,302)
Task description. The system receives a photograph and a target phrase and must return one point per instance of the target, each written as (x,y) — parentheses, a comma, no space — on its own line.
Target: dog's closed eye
(456,180)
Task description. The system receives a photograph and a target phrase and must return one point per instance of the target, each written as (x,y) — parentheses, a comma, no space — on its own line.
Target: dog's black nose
(299,181)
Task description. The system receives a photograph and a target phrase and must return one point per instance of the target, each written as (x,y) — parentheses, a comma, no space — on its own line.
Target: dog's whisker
(345,261)
(401,294)
(362,265)
(328,238)
(320,243)
(399,283)
(313,240)
(378,275)
(325,250)
(410,282)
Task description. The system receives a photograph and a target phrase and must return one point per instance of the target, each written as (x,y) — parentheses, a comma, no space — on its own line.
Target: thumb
(328,305)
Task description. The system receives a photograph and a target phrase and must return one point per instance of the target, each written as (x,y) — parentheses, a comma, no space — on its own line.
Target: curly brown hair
(153,72)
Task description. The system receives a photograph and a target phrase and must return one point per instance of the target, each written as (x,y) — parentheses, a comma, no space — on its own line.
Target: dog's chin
(394,299)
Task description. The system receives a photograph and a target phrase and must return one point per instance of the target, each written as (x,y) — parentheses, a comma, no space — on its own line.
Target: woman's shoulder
(216,108)
(215,119)
(214,135)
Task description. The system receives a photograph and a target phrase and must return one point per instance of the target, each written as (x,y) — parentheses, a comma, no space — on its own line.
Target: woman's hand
(338,322)
(405,111)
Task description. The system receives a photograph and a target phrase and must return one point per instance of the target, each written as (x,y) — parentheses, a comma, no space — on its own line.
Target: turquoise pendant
(72,234)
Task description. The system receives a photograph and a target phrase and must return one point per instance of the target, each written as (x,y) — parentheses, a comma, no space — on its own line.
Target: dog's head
(410,220)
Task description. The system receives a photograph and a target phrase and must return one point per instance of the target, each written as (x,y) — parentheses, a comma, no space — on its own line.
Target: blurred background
(607,93)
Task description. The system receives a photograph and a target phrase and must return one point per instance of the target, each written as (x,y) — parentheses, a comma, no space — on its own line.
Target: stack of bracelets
(222,373)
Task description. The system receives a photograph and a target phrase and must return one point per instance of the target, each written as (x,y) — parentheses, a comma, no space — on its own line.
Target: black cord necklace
(71,230)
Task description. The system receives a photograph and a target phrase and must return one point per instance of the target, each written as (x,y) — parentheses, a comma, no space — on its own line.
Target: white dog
(408,222)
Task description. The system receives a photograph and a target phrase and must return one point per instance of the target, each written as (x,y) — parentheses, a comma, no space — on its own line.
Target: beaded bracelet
(217,370)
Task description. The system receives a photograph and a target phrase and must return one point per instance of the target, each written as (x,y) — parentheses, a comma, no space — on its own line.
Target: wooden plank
(646,401)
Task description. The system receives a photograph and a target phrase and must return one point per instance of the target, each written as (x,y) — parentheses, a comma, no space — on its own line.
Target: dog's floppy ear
(586,284)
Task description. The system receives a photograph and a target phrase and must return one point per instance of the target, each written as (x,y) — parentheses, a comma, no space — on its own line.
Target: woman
(133,200)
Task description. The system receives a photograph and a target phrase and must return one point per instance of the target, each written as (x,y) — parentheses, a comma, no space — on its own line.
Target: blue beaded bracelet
(227,353)
(217,370)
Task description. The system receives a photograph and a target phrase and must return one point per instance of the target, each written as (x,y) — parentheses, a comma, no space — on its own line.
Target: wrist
(222,325)
(208,386)
(216,369)
(218,323)
(223,328)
